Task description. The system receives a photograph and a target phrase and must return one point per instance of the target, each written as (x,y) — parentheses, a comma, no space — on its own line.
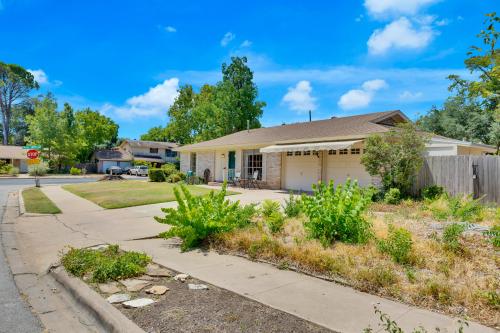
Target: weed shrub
(451,237)
(337,213)
(75,171)
(156,175)
(376,277)
(494,233)
(105,265)
(393,196)
(38,169)
(275,221)
(197,218)
(398,245)
(269,207)
(175,177)
(169,169)
(292,207)
(432,192)
(463,209)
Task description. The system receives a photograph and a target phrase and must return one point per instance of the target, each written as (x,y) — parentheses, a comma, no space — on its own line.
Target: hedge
(156,175)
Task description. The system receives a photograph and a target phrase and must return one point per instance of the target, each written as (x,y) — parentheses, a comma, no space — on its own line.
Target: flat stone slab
(138,303)
(157,290)
(99,247)
(118,298)
(193,286)
(109,288)
(134,285)
(157,271)
(181,277)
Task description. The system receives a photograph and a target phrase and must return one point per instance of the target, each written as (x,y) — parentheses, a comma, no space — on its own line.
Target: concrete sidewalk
(339,308)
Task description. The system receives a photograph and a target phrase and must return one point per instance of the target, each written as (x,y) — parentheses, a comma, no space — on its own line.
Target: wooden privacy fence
(467,174)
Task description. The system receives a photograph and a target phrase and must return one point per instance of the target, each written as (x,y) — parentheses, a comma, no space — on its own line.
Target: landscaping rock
(99,247)
(134,285)
(157,290)
(109,288)
(181,277)
(118,298)
(193,286)
(157,271)
(138,303)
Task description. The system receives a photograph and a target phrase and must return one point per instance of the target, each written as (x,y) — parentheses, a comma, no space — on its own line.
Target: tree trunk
(5,129)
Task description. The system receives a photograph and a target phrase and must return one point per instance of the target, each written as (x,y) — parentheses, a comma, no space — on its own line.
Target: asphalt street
(15,315)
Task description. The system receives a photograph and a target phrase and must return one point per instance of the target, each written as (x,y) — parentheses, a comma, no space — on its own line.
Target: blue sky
(127,58)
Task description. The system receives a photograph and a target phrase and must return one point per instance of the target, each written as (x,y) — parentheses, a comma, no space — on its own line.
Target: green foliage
(293,206)
(492,297)
(176,177)
(198,218)
(142,163)
(75,171)
(459,208)
(169,168)
(8,169)
(396,156)
(157,133)
(275,221)
(393,196)
(432,192)
(337,213)
(494,233)
(156,175)
(398,245)
(105,265)
(38,169)
(451,237)
(269,207)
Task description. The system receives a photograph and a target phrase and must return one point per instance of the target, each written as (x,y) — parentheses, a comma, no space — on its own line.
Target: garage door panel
(341,167)
(301,172)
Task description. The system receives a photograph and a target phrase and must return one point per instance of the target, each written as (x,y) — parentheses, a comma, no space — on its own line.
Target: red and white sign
(32,154)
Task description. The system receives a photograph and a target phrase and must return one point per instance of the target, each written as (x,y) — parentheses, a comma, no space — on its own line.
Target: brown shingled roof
(13,152)
(151,144)
(319,130)
(113,155)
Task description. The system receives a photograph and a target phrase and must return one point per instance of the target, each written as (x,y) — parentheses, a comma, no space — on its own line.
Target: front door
(231,164)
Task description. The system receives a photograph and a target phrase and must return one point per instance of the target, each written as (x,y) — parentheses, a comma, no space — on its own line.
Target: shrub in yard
(275,221)
(174,178)
(438,290)
(494,233)
(105,265)
(392,197)
(14,171)
(169,169)
(398,245)
(75,171)
(269,207)
(376,277)
(466,209)
(432,192)
(197,218)
(156,175)
(336,213)
(451,237)
(38,169)
(292,207)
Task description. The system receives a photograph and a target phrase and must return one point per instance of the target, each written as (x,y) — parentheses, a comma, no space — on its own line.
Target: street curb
(110,318)
(22,209)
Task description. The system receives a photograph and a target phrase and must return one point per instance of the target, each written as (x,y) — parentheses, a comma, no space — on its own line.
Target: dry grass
(465,284)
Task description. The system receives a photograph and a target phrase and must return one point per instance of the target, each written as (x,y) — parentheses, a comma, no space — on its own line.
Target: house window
(254,163)
(192,163)
(153,150)
(170,153)
(343,151)
(307,152)
(332,152)
(355,151)
(315,153)
(289,153)
(298,153)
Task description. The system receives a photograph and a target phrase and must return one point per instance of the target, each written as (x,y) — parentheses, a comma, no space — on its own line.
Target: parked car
(126,170)
(114,170)
(140,170)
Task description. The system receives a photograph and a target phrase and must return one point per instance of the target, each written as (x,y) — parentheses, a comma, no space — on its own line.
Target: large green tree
(157,133)
(93,130)
(15,85)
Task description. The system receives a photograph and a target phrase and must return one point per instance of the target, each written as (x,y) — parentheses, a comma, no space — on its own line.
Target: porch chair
(254,180)
(237,179)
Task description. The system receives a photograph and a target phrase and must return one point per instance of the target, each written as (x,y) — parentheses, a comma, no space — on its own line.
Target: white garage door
(107,164)
(339,167)
(301,171)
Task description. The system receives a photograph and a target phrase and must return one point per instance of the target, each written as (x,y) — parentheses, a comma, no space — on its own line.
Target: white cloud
(246,43)
(40,76)
(299,98)
(360,98)
(381,8)
(443,22)
(399,34)
(359,18)
(153,103)
(410,96)
(228,37)
(170,29)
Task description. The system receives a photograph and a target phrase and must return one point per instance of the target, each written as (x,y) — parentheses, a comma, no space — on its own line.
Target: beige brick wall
(273,170)
(184,162)
(205,160)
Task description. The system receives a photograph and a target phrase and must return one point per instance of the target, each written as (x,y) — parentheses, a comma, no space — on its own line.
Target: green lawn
(127,193)
(35,201)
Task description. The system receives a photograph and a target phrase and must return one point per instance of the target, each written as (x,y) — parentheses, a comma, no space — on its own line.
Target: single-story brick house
(297,155)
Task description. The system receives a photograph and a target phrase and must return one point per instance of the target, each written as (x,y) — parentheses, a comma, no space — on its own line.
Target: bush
(451,237)
(292,207)
(393,196)
(14,171)
(432,192)
(269,207)
(463,209)
(169,169)
(174,178)
(398,245)
(141,162)
(275,221)
(105,265)
(156,175)
(337,213)
(38,169)
(494,233)
(197,218)
(75,171)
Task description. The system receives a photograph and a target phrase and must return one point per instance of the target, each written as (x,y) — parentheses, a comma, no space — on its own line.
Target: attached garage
(301,170)
(343,164)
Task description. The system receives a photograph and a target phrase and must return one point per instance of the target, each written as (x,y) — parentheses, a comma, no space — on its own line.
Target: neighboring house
(16,156)
(106,158)
(297,155)
(151,151)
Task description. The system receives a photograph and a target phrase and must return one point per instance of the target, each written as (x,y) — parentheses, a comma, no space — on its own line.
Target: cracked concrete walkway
(339,308)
